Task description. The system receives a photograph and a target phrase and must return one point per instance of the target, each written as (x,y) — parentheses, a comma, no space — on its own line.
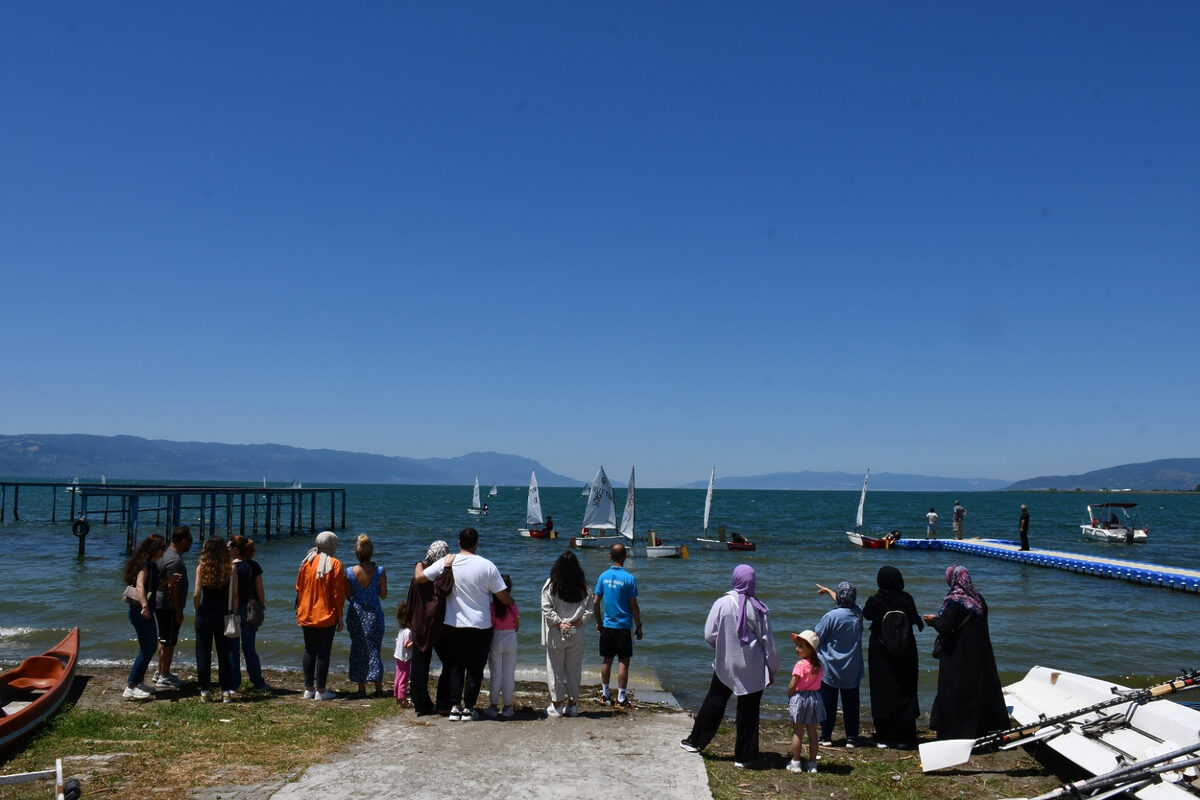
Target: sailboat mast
(708,499)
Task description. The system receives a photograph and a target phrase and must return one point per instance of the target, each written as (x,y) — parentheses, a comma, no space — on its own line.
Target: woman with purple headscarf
(739,630)
(970,700)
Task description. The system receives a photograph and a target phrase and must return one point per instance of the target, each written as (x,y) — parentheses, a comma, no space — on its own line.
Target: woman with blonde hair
(215,596)
(320,595)
(367,584)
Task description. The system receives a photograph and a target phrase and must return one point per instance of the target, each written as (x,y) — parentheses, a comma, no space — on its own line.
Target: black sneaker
(687,745)
(608,701)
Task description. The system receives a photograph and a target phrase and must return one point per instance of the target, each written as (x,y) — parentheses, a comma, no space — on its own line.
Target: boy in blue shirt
(620,621)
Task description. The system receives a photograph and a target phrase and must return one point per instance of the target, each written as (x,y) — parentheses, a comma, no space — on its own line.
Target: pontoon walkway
(1186,580)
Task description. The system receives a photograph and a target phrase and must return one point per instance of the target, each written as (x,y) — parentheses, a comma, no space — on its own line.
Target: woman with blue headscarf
(969,700)
(738,628)
(840,632)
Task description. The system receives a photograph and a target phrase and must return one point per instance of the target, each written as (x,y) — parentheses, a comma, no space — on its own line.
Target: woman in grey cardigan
(566,603)
(739,630)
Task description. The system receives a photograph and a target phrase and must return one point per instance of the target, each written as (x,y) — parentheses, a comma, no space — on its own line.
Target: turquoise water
(1106,628)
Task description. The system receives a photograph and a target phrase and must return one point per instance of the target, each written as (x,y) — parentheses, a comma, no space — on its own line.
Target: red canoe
(32,692)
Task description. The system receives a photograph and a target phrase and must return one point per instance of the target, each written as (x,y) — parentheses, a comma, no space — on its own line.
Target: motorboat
(1114,522)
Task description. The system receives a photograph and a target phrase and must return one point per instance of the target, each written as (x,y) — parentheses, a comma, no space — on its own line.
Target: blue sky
(952,239)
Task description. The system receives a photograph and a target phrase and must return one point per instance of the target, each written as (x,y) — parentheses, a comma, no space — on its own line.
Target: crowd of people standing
(460,607)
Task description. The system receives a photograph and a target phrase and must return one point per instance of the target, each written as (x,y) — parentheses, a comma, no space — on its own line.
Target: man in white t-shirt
(931,520)
(467,635)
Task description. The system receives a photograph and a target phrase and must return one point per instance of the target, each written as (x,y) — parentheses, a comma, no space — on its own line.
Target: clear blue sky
(945,238)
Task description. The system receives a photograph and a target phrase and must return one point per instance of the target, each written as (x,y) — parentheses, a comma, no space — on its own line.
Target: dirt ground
(1014,773)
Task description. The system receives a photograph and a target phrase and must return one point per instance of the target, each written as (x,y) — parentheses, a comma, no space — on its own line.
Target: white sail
(103,480)
(708,499)
(862,501)
(601,511)
(627,517)
(493,491)
(475,495)
(533,504)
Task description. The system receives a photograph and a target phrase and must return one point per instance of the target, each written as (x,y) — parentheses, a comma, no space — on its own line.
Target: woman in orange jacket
(320,596)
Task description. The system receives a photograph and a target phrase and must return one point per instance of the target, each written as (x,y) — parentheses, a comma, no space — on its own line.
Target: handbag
(942,642)
(256,612)
(233,625)
(130,596)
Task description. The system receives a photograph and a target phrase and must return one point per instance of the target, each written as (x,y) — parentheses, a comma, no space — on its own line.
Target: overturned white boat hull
(1101,741)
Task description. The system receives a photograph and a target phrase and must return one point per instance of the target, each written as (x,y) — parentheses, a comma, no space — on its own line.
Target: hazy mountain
(882,481)
(133,458)
(1168,474)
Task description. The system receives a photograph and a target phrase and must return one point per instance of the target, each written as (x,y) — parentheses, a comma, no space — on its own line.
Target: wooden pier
(232,509)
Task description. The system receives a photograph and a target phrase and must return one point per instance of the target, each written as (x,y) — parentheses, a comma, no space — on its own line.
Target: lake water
(1106,628)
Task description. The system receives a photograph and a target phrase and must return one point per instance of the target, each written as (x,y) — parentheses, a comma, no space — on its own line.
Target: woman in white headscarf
(320,595)
(739,630)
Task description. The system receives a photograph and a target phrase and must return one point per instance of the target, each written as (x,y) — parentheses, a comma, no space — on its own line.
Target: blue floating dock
(1184,580)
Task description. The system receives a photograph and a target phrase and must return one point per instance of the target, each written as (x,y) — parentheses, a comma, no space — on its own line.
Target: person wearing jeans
(840,632)
(466,637)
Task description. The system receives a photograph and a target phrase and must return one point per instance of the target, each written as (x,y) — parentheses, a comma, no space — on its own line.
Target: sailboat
(533,514)
(476,507)
(601,515)
(654,548)
(493,492)
(857,537)
(737,542)
(74,484)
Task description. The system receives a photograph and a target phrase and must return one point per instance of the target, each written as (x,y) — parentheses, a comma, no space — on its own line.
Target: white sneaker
(168,681)
(469,715)
(205,695)
(136,693)
(145,688)
(309,694)
(328,694)
(455,714)
(812,768)
(794,766)
(552,712)
(227,697)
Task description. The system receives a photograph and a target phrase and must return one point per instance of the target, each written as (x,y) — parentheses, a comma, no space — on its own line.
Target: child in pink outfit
(403,655)
(502,659)
(804,700)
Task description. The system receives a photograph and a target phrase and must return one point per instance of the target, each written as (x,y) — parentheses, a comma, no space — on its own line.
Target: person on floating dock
(1023,527)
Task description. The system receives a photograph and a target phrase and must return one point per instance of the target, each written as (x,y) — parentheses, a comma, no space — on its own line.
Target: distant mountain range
(1166,474)
(125,458)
